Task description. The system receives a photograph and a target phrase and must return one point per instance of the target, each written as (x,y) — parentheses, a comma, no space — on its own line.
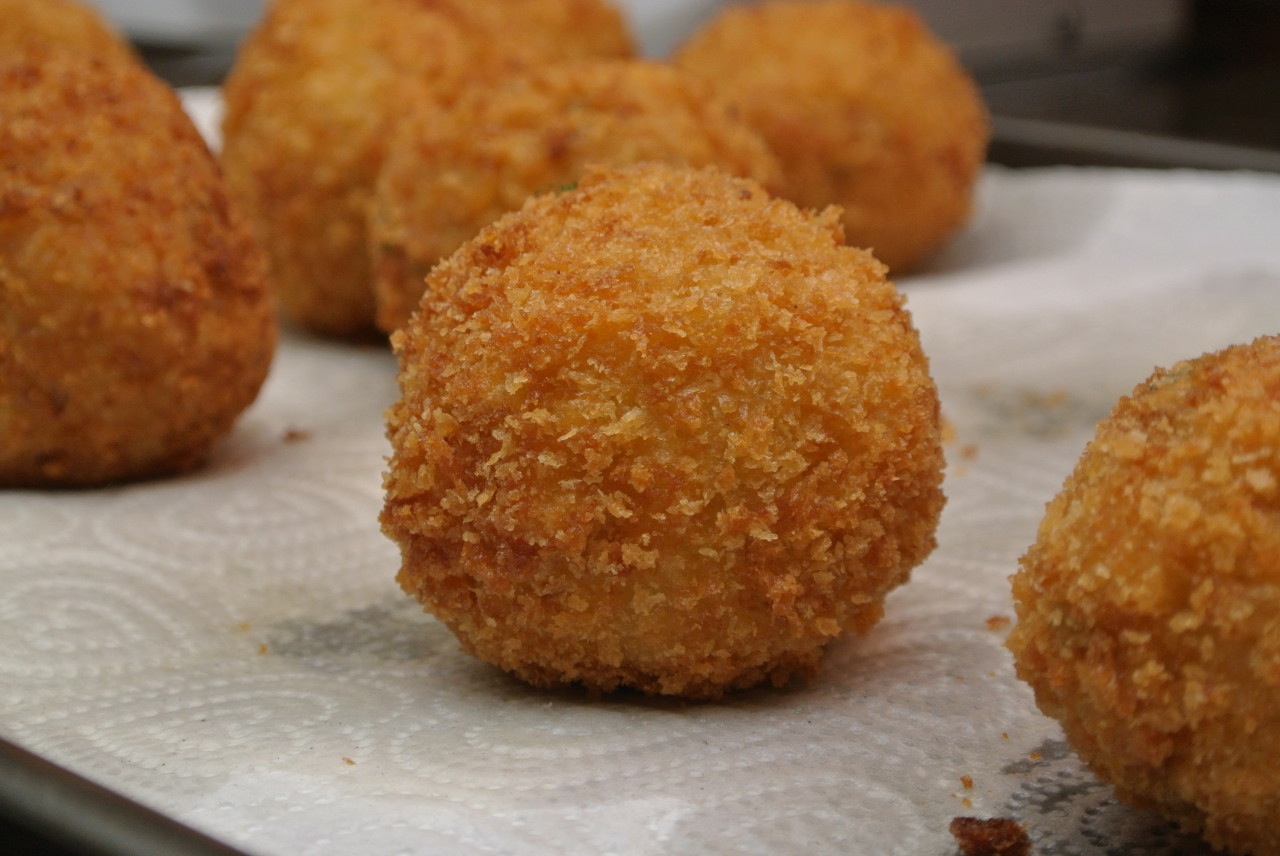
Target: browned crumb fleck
(244,626)
(969,451)
(1057,398)
(998,622)
(967,781)
(1035,756)
(262,649)
(1046,400)
(1004,735)
(296,435)
(994,836)
(348,761)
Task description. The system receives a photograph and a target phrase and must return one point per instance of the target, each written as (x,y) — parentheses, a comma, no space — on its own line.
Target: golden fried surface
(64,24)
(660,431)
(135,322)
(450,172)
(1149,606)
(313,98)
(864,107)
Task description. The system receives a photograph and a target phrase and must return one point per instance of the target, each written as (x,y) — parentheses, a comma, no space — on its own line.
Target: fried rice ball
(62,24)
(663,432)
(135,319)
(865,109)
(311,102)
(1149,606)
(450,172)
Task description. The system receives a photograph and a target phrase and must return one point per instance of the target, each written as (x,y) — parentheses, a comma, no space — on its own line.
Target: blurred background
(1130,83)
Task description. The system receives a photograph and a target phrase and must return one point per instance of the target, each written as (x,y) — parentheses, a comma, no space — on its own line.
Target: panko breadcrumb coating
(660,431)
(450,172)
(61,24)
(312,100)
(865,109)
(1149,606)
(135,320)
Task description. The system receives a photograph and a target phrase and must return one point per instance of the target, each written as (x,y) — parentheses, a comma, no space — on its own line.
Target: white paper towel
(230,647)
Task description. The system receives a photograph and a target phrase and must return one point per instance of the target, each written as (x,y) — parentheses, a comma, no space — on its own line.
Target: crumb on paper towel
(1048,400)
(993,836)
(967,781)
(998,623)
(296,435)
(350,762)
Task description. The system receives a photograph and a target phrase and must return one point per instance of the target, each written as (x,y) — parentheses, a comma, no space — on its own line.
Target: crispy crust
(1147,606)
(660,431)
(135,322)
(865,109)
(313,98)
(59,24)
(450,172)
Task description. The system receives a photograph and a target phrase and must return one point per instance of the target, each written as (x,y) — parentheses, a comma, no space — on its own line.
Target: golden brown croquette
(1149,605)
(660,431)
(865,109)
(312,100)
(450,172)
(135,320)
(62,25)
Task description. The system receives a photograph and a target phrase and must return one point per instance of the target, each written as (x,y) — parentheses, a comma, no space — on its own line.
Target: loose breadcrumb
(993,836)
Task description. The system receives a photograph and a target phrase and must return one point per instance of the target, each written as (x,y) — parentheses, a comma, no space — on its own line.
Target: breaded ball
(660,431)
(450,172)
(864,107)
(1149,606)
(62,24)
(311,103)
(135,320)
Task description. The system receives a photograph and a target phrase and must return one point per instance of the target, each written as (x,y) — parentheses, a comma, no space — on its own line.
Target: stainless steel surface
(1211,100)
(45,809)
(1040,142)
